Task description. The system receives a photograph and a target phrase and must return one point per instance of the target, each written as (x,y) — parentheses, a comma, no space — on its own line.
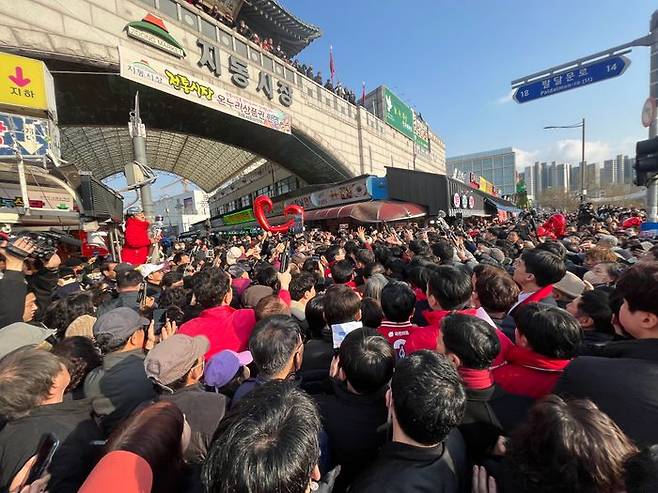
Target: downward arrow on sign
(18,79)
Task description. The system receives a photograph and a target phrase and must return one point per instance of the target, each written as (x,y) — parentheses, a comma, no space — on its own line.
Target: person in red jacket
(398,302)
(224,326)
(449,289)
(535,272)
(547,338)
(137,241)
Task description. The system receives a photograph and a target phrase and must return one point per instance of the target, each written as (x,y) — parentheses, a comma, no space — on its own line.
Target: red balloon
(554,227)
(263,205)
(542,231)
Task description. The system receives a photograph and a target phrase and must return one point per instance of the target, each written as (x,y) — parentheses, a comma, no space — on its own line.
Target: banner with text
(398,114)
(421,133)
(153,73)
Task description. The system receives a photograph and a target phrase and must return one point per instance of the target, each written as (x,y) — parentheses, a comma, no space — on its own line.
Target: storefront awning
(375,211)
(503,207)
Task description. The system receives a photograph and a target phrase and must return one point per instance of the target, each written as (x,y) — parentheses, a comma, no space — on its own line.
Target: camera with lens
(46,246)
(46,243)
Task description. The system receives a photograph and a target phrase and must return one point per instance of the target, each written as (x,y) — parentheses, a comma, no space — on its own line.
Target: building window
(245,201)
(265,191)
(286,185)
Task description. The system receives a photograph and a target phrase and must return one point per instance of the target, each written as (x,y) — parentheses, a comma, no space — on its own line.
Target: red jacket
(528,373)
(136,242)
(427,337)
(225,327)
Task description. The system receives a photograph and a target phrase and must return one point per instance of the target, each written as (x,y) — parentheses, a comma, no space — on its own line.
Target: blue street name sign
(572,78)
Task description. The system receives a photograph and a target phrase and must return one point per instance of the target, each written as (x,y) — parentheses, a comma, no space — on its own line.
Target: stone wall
(90,31)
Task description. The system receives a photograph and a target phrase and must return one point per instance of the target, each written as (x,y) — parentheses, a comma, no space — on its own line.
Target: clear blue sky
(454,60)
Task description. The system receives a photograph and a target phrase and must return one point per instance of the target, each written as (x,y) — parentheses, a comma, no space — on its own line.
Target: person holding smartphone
(32,386)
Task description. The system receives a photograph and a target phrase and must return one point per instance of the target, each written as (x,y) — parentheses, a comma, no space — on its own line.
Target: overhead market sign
(152,31)
(138,68)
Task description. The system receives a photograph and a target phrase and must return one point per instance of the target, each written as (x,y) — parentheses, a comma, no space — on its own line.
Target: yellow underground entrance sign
(22,82)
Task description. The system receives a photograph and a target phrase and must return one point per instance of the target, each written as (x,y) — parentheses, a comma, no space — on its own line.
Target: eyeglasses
(202,364)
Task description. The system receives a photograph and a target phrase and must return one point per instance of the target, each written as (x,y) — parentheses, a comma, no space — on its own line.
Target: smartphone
(159,320)
(298,225)
(141,296)
(285,261)
(48,445)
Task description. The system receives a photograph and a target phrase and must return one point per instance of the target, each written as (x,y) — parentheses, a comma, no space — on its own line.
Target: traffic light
(646,160)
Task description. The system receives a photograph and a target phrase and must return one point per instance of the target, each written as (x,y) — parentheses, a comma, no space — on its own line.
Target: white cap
(232,256)
(147,269)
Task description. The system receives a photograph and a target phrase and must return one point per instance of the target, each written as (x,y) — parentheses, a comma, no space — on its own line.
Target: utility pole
(652,186)
(583,170)
(524,91)
(134,171)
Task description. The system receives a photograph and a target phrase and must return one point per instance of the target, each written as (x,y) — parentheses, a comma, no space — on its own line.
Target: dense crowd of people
(475,357)
(270,45)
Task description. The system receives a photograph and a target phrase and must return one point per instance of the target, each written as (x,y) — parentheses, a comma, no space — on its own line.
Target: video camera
(46,243)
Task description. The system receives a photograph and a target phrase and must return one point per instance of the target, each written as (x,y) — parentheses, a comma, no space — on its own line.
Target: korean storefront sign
(210,58)
(178,82)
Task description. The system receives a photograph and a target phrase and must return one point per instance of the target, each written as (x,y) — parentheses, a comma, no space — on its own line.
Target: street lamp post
(583,188)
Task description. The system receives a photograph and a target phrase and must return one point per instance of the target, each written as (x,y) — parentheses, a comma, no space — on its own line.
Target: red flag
(332,68)
(363,94)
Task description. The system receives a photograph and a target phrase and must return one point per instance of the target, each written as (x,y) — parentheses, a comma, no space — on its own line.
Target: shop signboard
(43,197)
(398,114)
(151,30)
(142,69)
(243,216)
(357,190)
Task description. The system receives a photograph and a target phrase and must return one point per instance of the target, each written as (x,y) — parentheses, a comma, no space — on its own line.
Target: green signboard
(398,115)
(421,133)
(240,217)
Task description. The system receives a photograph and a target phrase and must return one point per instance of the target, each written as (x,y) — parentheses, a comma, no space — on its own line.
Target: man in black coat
(354,414)
(471,344)
(14,284)
(129,285)
(176,365)
(31,412)
(624,380)
(426,402)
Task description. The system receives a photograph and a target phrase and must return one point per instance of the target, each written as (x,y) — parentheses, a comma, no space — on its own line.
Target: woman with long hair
(159,434)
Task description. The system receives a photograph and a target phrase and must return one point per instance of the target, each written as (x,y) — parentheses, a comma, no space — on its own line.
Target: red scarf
(537,296)
(476,379)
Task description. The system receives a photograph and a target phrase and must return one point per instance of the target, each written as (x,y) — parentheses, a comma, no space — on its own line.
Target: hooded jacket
(528,373)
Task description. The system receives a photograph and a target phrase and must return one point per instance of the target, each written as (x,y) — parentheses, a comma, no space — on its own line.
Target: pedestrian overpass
(212,101)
